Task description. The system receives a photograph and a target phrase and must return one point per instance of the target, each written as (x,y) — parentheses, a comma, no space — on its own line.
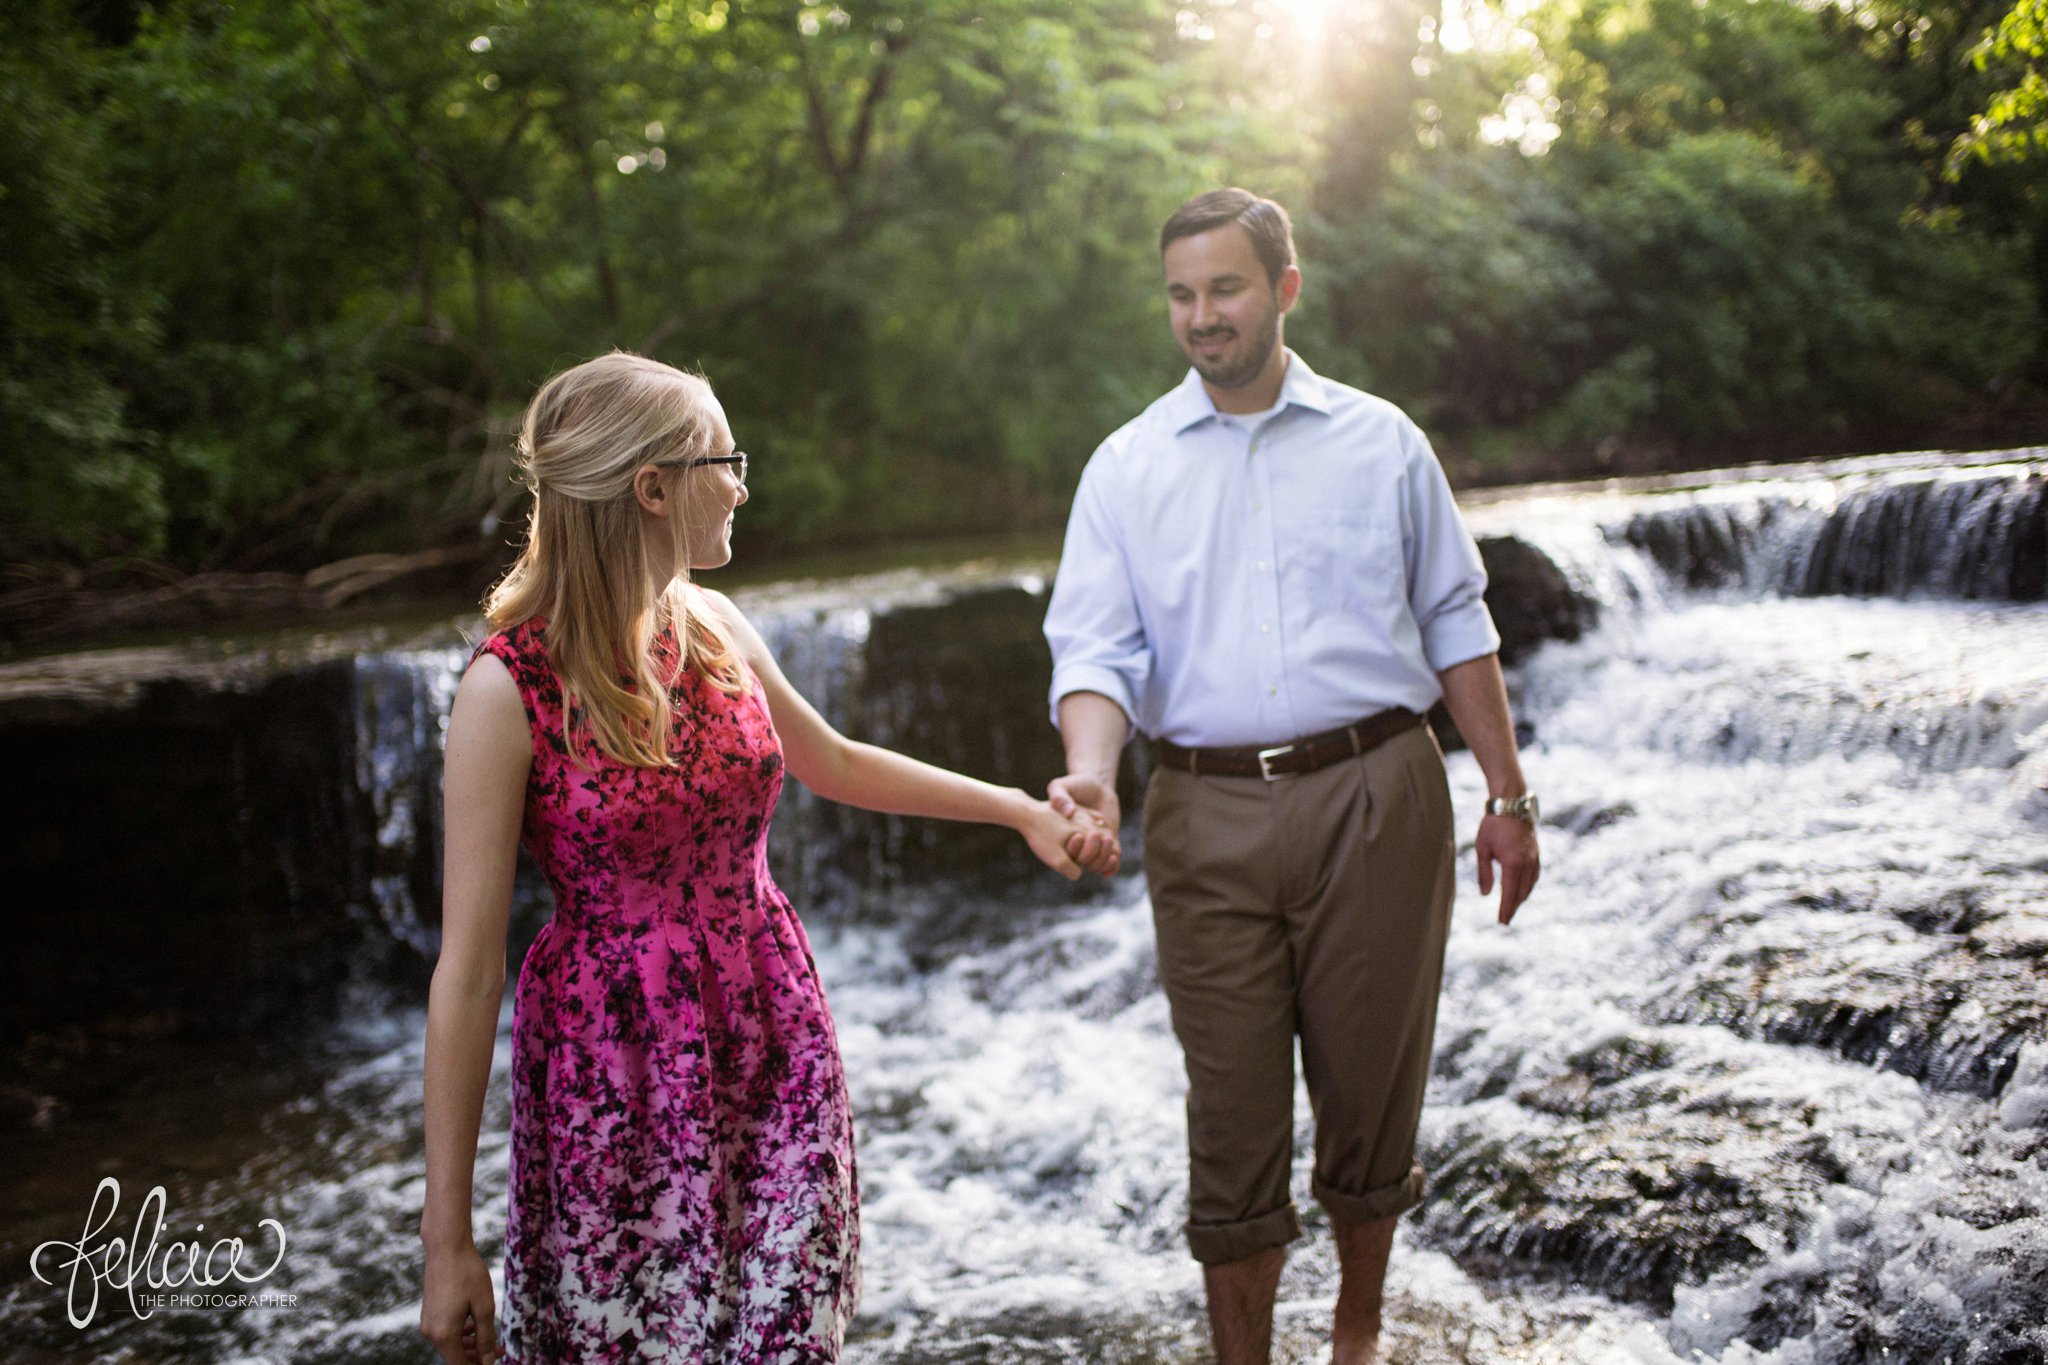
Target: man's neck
(1257,396)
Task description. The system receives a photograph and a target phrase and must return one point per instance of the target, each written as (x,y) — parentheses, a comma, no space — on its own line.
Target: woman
(682,1183)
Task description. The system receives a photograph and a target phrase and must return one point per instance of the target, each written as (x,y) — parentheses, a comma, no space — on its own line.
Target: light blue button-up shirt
(1232,585)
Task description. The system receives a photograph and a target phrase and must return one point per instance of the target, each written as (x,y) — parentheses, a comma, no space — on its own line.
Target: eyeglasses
(738,459)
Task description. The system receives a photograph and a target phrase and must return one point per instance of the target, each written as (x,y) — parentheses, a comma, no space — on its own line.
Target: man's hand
(1511,842)
(1092,801)
(1477,699)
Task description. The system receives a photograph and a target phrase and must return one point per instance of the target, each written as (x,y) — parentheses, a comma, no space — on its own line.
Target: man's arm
(1100,661)
(1094,729)
(1447,592)
(1477,699)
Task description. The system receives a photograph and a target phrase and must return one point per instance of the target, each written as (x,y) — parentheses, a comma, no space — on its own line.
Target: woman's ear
(650,489)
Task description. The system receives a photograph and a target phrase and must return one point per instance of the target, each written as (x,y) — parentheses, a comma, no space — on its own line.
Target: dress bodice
(621,844)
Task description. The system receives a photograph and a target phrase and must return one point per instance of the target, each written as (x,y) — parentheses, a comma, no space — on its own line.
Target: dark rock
(1590,817)
(1530,598)
(193,850)
(1945,1007)
(208,839)
(962,682)
(1953,1018)
(227,833)
(1595,1194)
(1531,601)
(1700,544)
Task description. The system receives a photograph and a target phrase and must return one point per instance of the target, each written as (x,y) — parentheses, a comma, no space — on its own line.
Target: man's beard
(1235,375)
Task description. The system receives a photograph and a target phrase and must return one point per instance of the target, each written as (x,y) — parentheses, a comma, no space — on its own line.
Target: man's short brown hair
(1264,221)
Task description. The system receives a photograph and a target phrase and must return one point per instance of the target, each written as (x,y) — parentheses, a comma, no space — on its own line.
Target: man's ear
(1290,287)
(650,489)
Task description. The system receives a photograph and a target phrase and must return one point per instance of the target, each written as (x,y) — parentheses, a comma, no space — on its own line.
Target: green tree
(281,272)
(75,472)
(1725,240)
(2014,122)
(910,241)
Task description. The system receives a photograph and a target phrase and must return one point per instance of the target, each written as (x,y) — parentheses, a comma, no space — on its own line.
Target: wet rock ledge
(206,836)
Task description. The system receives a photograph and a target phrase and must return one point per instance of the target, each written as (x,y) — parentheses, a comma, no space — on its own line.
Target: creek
(1760,1074)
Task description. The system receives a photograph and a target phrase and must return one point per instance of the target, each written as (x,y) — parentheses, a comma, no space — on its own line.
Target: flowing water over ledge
(1761,1074)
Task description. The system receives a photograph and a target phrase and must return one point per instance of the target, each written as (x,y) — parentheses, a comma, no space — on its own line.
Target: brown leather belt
(1292,759)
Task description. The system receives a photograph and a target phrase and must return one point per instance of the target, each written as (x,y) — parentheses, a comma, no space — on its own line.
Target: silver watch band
(1521,807)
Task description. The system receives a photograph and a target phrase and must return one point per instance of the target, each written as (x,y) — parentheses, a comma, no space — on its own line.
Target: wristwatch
(1521,807)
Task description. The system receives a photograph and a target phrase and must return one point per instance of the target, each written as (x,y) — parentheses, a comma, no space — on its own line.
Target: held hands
(456,1314)
(1511,842)
(1050,834)
(1092,803)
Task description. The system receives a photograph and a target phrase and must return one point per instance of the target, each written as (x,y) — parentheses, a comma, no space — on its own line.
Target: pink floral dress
(682,1182)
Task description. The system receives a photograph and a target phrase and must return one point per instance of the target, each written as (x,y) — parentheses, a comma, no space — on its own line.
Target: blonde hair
(583,569)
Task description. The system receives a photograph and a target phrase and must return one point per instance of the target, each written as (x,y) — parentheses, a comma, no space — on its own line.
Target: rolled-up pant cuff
(1221,1243)
(1372,1205)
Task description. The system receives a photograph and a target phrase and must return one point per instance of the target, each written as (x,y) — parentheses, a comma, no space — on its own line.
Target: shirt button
(1262,566)
(1272,691)
(1258,506)
(1265,628)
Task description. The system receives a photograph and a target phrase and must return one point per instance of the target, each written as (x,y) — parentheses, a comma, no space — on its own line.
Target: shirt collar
(1190,404)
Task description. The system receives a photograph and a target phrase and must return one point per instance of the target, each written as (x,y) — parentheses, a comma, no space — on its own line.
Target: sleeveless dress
(682,1183)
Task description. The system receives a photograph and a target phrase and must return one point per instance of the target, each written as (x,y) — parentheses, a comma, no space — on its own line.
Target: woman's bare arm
(873,778)
(489,753)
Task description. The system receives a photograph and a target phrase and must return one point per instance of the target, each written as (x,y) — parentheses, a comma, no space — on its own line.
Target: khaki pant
(1314,906)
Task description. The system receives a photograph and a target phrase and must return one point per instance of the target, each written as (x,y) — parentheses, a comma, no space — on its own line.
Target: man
(1265,572)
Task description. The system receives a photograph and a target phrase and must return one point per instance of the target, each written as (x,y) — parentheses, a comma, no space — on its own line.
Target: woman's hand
(1092,802)
(1049,834)
(457,1313)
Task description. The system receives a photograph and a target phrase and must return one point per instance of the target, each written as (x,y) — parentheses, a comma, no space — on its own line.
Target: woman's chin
(715,559)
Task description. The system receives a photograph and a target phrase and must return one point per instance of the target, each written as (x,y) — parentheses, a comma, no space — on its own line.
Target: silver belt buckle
(1266,757)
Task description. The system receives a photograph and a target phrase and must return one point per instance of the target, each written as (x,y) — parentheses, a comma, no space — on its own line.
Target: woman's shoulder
(737,632)
(522,648)
(721,609)
(700,598)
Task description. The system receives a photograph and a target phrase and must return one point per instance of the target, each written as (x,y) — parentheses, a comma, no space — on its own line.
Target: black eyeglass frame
(738,457)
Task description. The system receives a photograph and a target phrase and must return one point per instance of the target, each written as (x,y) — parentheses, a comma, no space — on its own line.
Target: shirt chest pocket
(1351,559)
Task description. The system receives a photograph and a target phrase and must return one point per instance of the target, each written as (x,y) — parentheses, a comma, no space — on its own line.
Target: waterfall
(1974,532)
(402,699)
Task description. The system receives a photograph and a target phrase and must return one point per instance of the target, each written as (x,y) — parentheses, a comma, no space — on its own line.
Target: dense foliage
(276,275)
(1749,223)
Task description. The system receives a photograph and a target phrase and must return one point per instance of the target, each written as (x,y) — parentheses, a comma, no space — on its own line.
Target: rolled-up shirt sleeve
(1093,626)
(1446,577)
